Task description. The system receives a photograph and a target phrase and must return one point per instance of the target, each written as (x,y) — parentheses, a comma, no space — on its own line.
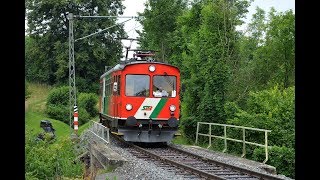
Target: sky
(134,6)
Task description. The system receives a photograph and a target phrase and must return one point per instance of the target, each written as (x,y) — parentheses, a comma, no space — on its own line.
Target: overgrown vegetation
(45,160)
(46,45)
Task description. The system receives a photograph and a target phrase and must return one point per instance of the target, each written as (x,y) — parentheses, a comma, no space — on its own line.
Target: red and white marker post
(75,120)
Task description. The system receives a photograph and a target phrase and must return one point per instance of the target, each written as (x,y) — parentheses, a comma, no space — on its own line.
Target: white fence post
(266,145)
(243,142)
(197,132)
(209,136)
(225,138)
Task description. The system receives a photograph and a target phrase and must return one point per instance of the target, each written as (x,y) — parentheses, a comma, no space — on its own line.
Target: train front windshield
(166,85)
(137,85)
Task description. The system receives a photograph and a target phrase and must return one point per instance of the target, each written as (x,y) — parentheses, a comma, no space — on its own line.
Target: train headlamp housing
(152,68)
(172,108)
(128,107)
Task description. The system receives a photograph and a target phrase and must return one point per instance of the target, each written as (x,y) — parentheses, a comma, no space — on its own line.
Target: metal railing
(99,131)
(243,141)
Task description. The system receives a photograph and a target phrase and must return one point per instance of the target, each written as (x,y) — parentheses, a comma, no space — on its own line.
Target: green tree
(159,22)
(267,55)
(280,48)
(37,68)
(48,27)
(208,52)
(242,79)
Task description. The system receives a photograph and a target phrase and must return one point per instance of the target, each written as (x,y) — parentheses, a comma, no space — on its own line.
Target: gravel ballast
(136,168)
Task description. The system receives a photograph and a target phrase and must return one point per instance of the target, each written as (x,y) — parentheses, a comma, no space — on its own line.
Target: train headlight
(172,108)
(152,68)
(128,107)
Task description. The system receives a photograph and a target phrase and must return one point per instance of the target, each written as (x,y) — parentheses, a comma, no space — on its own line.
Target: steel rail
(243,170)
(193,170)
(198,172)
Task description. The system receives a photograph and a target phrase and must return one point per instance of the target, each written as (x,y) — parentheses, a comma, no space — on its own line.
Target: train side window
(118,90)
(108,86)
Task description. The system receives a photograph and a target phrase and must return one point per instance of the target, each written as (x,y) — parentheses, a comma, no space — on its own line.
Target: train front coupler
(150,127)
(160,127)
(140,129)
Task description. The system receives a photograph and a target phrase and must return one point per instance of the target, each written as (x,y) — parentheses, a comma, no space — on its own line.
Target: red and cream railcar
(140,100)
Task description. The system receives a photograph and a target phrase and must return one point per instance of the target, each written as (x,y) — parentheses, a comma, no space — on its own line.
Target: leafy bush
(271,109)
(59,95)
(282,158)
(58,105)
(189,126)
(83,116)
(46,160)
(59,112)
(88,101)
(87,107)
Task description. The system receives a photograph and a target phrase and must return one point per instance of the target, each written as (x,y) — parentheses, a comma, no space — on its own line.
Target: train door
(107,97)
(116,95)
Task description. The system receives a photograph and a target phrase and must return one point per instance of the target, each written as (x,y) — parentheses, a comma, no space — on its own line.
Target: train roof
(122,66)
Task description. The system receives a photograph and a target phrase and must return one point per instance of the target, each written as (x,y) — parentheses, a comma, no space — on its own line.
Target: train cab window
(108,86)
(164,86)
(137,85)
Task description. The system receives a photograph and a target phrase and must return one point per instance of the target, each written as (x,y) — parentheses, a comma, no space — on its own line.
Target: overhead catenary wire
(102,30)
(78,16)
(135,27)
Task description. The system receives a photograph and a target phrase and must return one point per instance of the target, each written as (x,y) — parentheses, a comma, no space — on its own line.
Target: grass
(33,123)
(35,112)
(37,100)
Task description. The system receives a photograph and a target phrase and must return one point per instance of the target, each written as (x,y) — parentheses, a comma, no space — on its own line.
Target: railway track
(192,166)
